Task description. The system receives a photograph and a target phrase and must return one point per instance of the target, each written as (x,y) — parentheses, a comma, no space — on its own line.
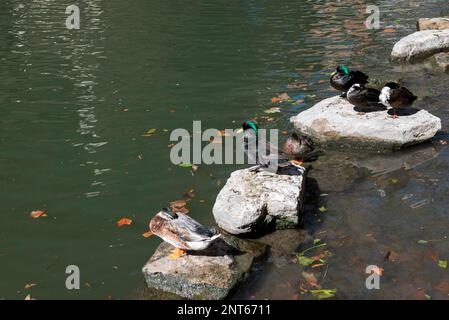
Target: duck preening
(343,79)
(264,154)
(181,231)
(363,97)
(396,97)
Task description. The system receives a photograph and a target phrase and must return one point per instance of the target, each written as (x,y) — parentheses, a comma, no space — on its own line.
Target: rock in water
(334,121)
(441,60)
(210,274)
(421,44)
(252,202)
(432,24)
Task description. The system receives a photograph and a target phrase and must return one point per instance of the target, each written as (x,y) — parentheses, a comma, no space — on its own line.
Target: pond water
(76,104)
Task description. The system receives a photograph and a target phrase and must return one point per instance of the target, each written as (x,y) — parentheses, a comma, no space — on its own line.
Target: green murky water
(75,104)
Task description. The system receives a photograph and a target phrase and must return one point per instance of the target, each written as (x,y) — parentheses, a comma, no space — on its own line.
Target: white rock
(421,44)
(334,120)
(250,202)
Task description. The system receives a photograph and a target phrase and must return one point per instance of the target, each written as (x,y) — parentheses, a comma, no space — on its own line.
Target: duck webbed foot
(176,253)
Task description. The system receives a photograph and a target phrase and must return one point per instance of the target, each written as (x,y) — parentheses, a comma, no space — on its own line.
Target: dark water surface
(75,104)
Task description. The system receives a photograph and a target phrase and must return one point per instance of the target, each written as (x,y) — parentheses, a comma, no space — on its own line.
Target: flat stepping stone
(335,122)
(421,44)
(253,202)
(211,274)
(432,24)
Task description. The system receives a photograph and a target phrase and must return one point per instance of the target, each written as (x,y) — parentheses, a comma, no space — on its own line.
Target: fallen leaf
(273,110)
(442,264)
(394,181)
(185,165)
(423,241)
(87,284)
(316,241)
(428,297)
(389,30)
(30,285)
(305,261)
(140,157)
(310,278)
(38,214)
(150,132)
(323,293)
(147,234)
(378,271)
(28,297)
(124,221)
(322,209)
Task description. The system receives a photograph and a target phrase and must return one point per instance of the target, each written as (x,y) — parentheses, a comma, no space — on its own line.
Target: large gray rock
(251,202)
(421,44)
(210,274)
(432,24)
(334,121)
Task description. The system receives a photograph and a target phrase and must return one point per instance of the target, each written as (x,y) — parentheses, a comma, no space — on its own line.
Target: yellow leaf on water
(150,132)
(322,209)
(30,285)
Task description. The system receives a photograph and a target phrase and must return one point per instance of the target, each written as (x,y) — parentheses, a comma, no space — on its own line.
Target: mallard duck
(396,97)
(265,155)
(343,79)
(296,147)
(181,231)
(363,97)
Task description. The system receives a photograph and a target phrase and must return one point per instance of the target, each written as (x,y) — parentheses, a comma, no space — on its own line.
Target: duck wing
(360,77)
(190,230)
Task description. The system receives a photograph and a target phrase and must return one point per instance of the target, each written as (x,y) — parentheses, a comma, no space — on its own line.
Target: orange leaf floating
(124,221)
(389,30)
(37,214)
(147,234)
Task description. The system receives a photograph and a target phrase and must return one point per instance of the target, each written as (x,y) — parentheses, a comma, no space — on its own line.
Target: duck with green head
(264,154)
(342,79)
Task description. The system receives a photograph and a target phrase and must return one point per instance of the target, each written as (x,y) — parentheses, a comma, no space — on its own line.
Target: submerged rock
(252,202)
(441,60)
(334,121)
(211,274)
(421,44)
(432,24)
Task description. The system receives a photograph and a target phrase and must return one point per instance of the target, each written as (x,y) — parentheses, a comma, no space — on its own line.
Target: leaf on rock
(38,214)
(124,221)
